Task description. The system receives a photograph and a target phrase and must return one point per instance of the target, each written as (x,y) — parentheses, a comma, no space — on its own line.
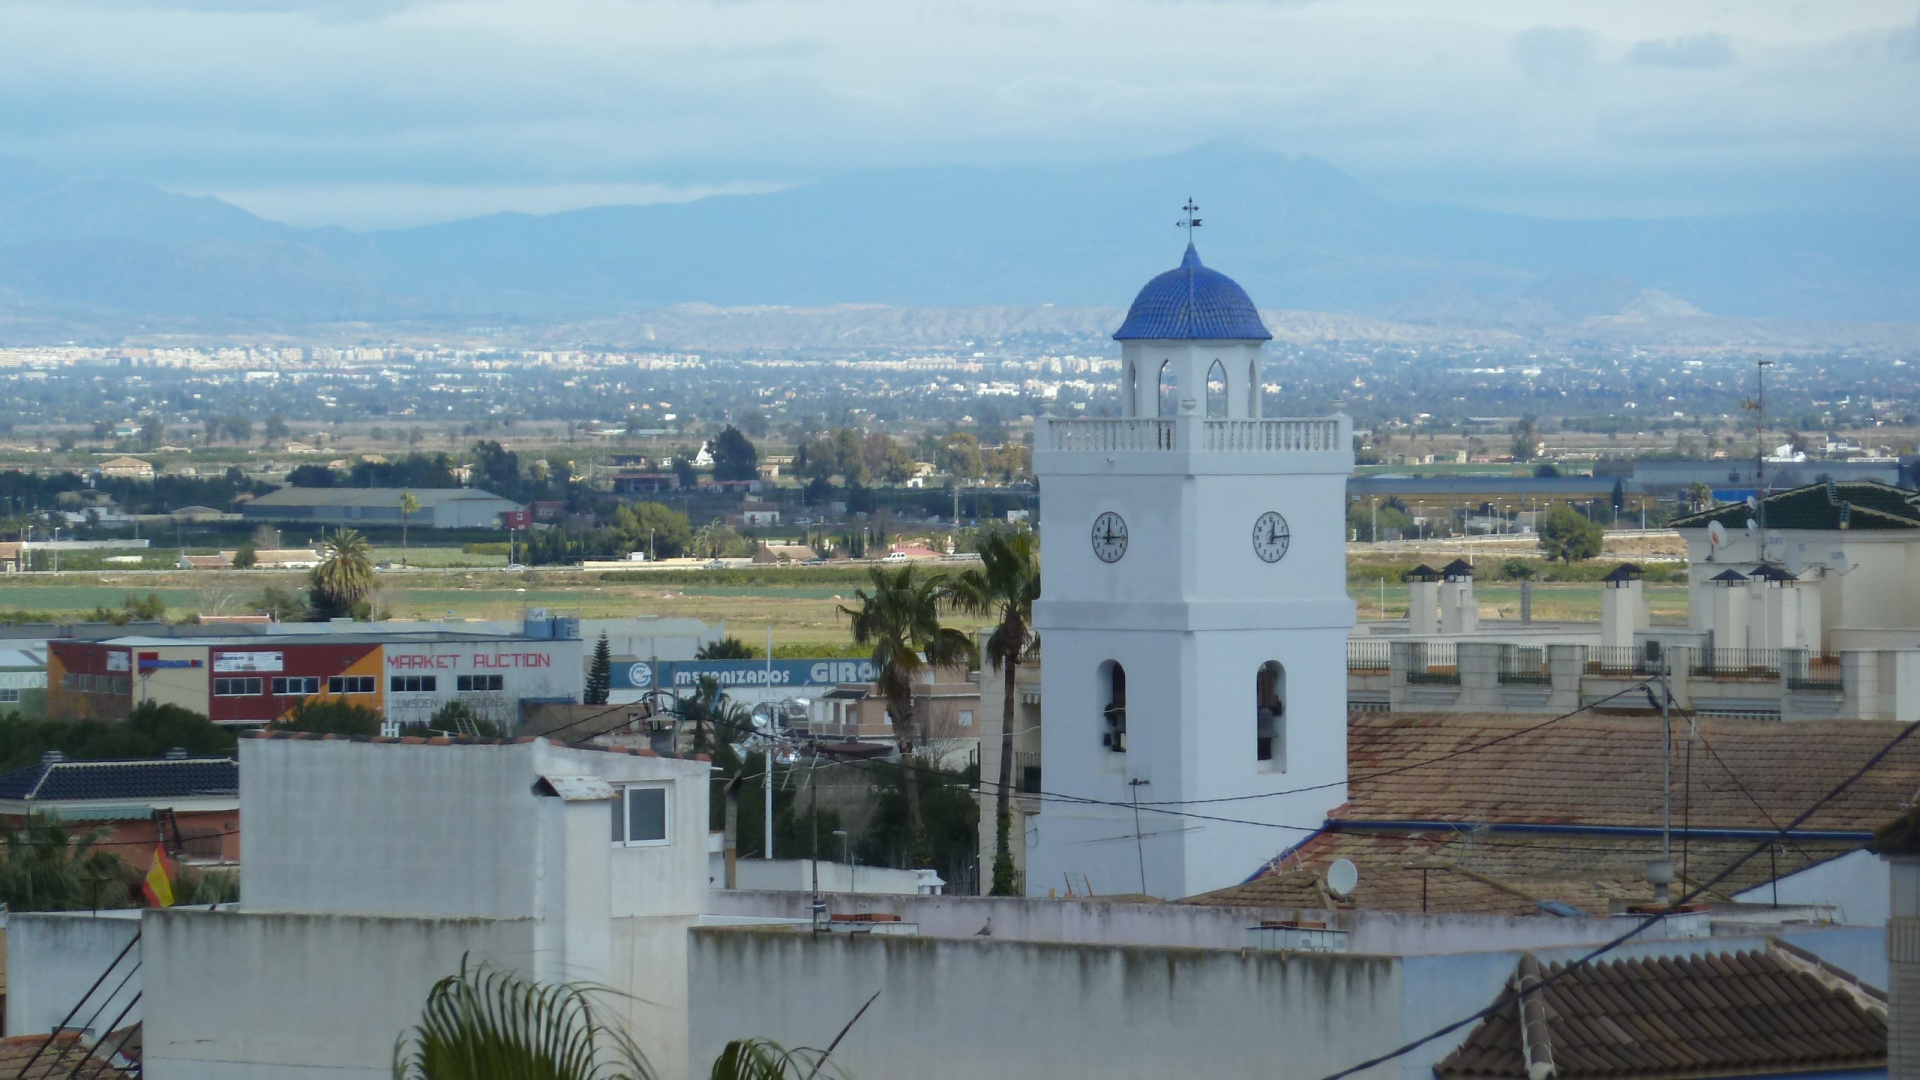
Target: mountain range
(1296,232)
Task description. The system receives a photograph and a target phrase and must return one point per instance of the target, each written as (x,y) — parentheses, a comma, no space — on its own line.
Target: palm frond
(484,1023)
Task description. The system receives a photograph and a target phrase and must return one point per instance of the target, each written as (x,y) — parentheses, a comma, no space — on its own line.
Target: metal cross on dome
(1190,222)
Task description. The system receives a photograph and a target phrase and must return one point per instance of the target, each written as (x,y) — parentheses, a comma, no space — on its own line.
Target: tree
(46,867)
(726,648)
(734,457)
(1003,587)
(330,716)
(683,470)
(276,429)
(344,577)
(409,506)
(960,456)
(282,604)
(245,557)
(153,430)
(900,621)
(1526,440)
(599,673)
(1567,535)
(1619,498)
(312,476)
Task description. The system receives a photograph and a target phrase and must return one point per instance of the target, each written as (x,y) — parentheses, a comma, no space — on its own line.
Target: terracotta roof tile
(1682,1016)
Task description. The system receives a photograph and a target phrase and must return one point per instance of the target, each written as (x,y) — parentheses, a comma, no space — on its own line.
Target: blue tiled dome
(1192,303)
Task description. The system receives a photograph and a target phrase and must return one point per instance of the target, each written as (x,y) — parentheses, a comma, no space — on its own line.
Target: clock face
(1270,536)
(1109,537)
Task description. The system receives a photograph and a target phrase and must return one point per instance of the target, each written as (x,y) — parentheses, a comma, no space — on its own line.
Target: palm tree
(46,867)
(488,1024)
(900,621)
(345,574)
(409,506)
(1004,588)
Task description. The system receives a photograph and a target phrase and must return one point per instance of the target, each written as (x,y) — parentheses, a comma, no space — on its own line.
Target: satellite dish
(1753,503)
(1342,876)
(1716,534)
(1752,525)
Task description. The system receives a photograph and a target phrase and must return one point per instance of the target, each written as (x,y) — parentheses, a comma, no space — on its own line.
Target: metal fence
(1524,665)
(1736,664)
(1369,655)
(1434,663)
(1811,672)
(1621,660)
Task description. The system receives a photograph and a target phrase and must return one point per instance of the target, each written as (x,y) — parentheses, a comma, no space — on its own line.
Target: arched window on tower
(1131,406)
(1111,692)
(1217,391)
(1253,388)
(1169,389)
(1270,717)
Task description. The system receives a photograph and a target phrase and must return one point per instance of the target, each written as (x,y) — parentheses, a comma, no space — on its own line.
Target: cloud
(1904,43)
(1698,51)
(1555,54)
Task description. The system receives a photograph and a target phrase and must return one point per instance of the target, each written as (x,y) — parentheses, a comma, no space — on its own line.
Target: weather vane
(1190,222)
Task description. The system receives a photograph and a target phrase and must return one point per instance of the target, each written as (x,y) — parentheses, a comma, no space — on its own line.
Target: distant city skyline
(376,113)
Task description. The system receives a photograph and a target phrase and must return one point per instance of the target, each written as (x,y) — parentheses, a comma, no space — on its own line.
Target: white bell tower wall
(1234,664)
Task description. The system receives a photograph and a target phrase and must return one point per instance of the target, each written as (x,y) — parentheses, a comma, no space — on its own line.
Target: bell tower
(1195,615)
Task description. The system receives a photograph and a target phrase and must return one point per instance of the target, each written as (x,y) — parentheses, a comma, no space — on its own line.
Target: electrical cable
(1598,951)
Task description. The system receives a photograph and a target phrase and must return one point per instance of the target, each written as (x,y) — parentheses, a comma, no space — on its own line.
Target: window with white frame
(9,696)
(245,687)
(350,684)
(641,815)
(413,684)
(296,686)
(473,684)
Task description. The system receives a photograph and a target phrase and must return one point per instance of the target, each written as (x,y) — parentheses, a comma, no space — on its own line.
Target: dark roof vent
(1458,568)
(1423,572)
(1770,572)
(52,757)
(1730,576)
(1626,571)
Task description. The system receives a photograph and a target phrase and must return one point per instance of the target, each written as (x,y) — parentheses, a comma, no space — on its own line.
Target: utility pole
(766,779)
(1139,844)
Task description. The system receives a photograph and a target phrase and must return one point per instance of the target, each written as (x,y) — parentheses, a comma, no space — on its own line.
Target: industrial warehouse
(250,679)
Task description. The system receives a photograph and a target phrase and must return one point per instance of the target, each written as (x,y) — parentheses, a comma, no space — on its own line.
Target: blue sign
(147,664)
(794,674)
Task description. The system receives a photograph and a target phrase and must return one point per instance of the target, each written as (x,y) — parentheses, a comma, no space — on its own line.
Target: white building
(373,869)
(1195,603)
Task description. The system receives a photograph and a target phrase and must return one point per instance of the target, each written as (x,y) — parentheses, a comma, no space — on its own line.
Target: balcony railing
(1434,663)
(1275,436)
(1369,656)
(1816,673)
(1281,436)
(1026,772)
(1522,665)
(1621,660)
(1109,433)
(1736,665)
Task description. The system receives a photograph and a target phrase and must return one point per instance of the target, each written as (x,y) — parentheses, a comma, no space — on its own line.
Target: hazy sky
(374,112)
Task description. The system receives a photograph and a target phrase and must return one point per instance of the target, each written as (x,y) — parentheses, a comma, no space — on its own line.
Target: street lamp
(845,856)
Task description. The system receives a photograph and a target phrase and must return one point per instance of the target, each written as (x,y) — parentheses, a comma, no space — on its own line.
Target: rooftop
(1192,303)
(1501,815)
(1714,1014)
(358,496)
(146,778)
(1834,505)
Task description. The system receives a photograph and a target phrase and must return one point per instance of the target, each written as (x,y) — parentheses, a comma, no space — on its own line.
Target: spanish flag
(158,887)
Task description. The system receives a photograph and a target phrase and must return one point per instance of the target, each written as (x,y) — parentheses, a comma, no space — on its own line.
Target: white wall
(547,668)
(1855,884)
(299,997)
(54,957)
(968,1009)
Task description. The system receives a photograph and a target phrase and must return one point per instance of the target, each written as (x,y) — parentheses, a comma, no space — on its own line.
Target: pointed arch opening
(1253,388)
(1169,389)
(1131,405)
(1111,691)
(1270,717)
(1217,391)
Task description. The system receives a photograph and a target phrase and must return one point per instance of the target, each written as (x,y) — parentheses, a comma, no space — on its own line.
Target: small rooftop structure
(1456,570)
(1423,572)
(1624,572)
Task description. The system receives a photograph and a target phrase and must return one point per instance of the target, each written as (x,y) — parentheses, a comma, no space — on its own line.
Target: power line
(1601,950)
